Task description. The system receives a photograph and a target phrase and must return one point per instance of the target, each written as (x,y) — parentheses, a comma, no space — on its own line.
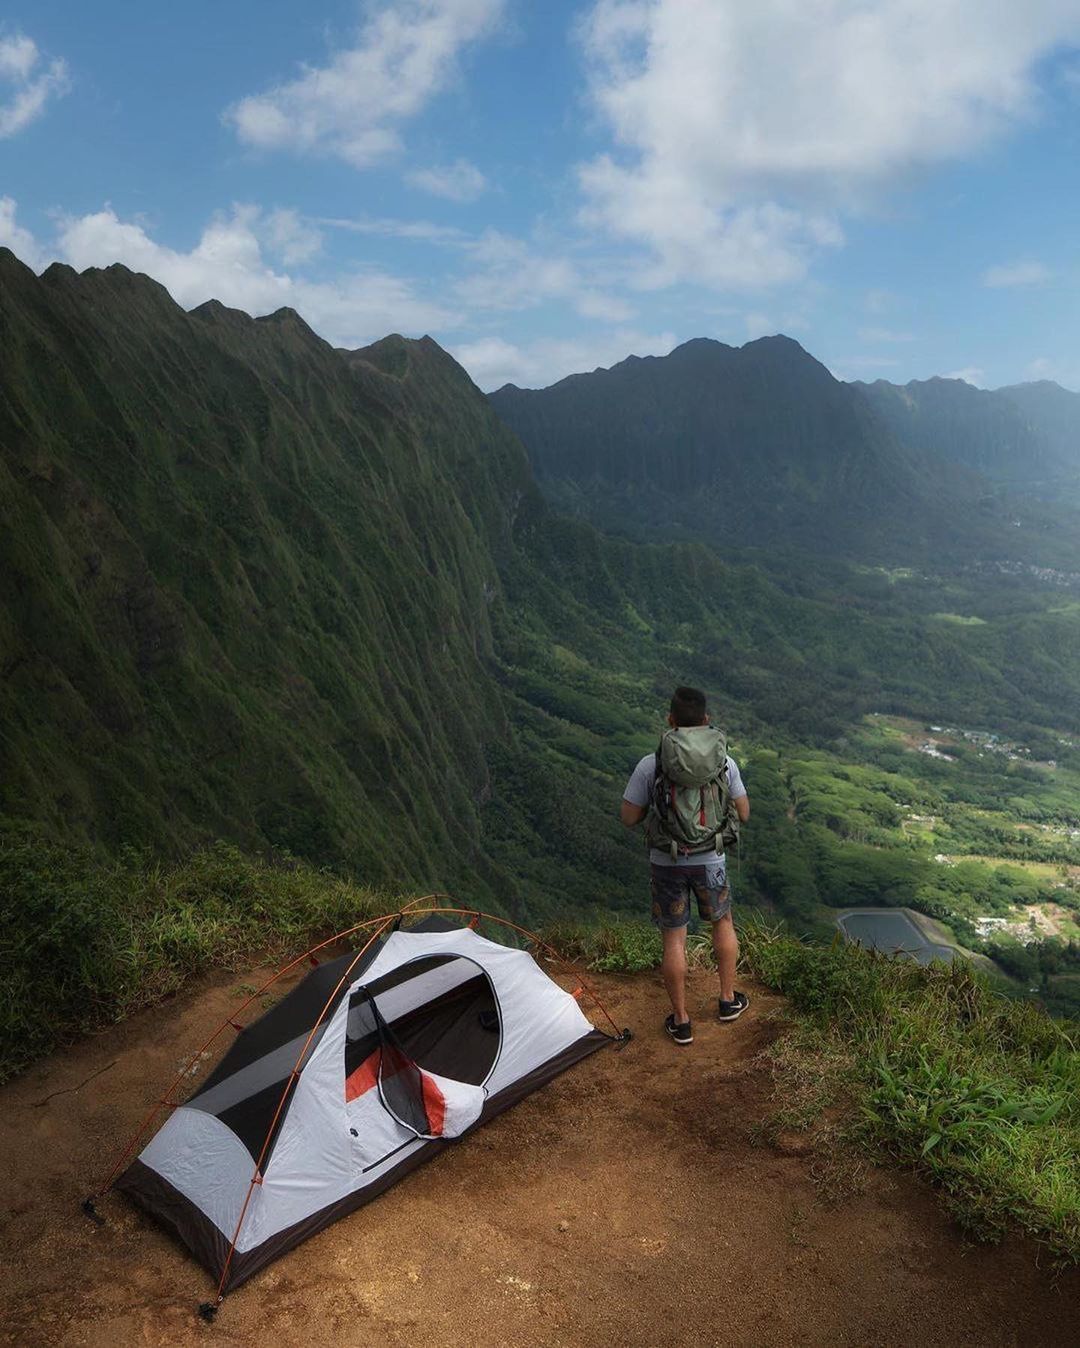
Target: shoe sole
(682,1043)
(724,1020)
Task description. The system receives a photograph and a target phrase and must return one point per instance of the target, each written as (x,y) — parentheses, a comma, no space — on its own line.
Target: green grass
(932,1068)
(86,943)
(610,947)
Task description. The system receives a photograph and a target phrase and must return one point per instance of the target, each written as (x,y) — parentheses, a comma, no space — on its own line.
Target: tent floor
(623,1204)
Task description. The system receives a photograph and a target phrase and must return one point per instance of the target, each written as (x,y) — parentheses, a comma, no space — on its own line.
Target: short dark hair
(688,706)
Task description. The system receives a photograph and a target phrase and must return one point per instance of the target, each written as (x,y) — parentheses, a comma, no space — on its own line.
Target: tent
(367,1068)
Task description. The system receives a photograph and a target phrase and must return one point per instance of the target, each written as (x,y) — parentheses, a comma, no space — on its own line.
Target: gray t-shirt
(639,792)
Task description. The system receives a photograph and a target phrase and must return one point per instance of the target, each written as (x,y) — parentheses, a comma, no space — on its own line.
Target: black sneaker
(733,1010)
(682,1034)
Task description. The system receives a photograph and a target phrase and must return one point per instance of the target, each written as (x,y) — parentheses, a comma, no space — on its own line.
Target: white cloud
(422,230)
(406,53)
(885,335)
(459,181)
(21,242)
(291,237)
(229,264)
(493,361)
(1025,273)
(759,325)
(33,82)
(510,273)
(766,325)
(18,56)
(694,236)
(970,374)
(742,130)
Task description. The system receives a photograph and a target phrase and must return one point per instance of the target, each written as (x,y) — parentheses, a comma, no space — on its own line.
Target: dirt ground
(625,1204)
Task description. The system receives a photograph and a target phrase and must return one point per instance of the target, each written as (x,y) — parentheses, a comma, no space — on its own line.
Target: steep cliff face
(248,588)
(1052,413)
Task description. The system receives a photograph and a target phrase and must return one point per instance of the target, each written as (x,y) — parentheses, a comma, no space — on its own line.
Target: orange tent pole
(381,924)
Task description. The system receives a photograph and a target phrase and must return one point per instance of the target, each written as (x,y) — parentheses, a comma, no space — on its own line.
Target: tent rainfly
(361,1073)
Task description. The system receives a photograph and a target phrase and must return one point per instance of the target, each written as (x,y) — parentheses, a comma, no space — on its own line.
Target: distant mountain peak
(213,311)
(289,324)
(10,263)
(59,272)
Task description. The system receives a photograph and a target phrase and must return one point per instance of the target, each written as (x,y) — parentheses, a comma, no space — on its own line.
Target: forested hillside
(247,596)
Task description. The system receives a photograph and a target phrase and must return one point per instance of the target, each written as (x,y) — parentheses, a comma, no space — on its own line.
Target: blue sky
(548,187)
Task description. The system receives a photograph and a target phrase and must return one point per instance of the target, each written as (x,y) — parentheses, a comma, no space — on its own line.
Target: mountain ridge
(313,601)
(1027,436)
(756,445)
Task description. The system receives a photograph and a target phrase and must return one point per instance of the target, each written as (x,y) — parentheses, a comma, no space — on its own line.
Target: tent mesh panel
(454,1035)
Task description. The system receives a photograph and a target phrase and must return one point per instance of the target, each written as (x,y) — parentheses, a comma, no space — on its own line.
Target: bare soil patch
(625,1204)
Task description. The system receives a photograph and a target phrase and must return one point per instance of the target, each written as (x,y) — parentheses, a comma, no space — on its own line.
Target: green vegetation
(976,1091)
(313,602)
(86,943)
(928,1066)
(761,446)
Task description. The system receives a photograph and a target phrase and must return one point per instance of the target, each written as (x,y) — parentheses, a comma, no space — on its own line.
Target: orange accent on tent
(389,920)
(434,1105)
(366,1075)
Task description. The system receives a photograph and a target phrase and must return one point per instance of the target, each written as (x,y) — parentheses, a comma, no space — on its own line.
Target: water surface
(891,930)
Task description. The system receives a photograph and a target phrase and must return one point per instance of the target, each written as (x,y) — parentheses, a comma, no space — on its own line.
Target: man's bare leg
(673,969)
(726,948)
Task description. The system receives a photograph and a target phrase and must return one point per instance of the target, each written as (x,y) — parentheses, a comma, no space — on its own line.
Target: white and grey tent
(367,1068)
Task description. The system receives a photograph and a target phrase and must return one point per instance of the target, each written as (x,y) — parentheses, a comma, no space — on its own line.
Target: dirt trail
(622,1205)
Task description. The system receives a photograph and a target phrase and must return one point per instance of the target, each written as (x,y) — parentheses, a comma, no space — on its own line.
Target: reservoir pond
(892,931)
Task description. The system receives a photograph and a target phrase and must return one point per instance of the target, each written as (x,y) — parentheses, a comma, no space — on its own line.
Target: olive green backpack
(691,809)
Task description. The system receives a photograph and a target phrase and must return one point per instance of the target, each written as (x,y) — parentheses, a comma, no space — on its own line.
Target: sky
(549,186)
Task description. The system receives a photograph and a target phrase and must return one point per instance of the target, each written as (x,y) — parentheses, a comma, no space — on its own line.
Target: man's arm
(631,814)
(739,798)
(635,800)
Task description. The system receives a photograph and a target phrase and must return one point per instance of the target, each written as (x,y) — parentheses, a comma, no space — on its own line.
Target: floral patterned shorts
(672,887)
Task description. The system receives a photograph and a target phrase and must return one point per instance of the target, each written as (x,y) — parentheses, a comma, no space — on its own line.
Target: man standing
(682,792)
